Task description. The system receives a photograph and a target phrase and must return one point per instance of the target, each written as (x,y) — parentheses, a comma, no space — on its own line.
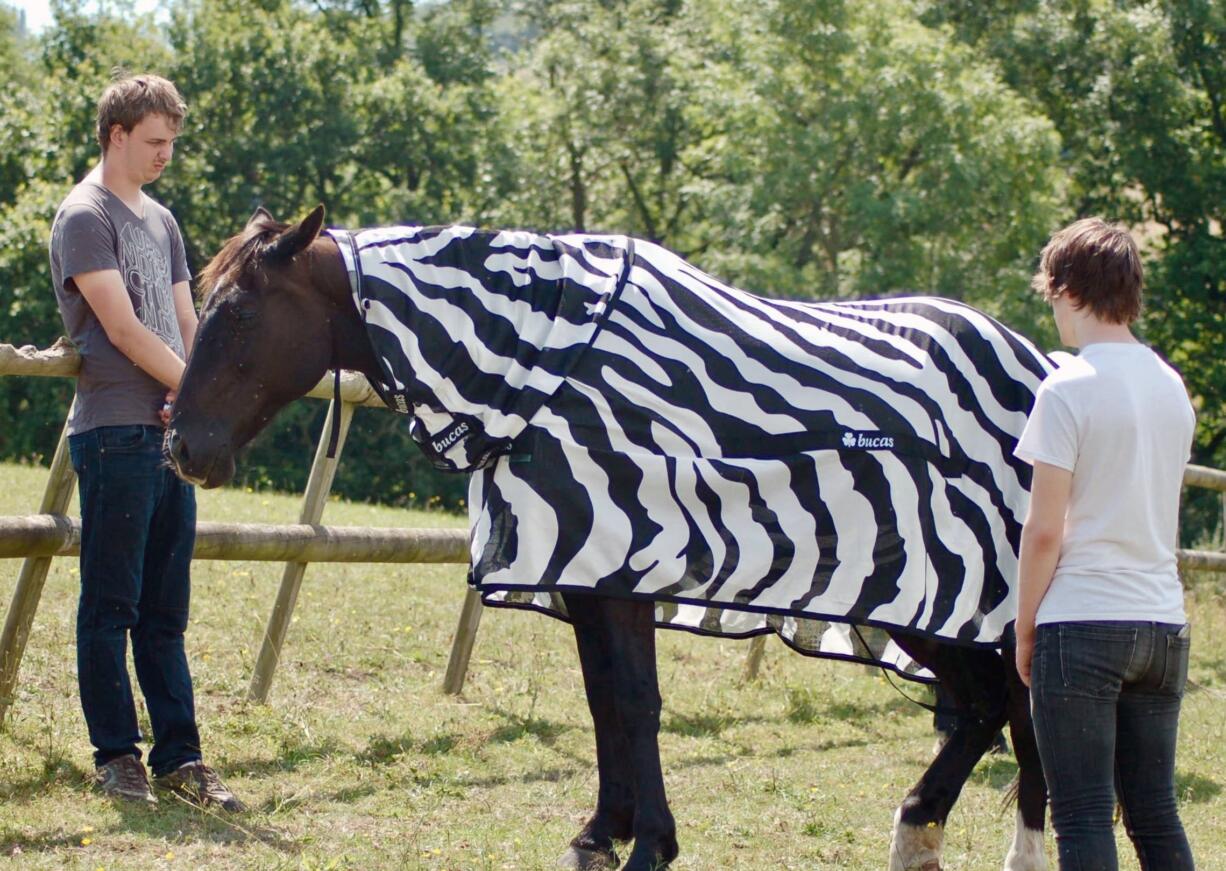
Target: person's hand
(164,412)
(1025,652)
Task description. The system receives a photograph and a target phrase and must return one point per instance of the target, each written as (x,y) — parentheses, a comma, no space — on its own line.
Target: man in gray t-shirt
(123,289)
(94,231)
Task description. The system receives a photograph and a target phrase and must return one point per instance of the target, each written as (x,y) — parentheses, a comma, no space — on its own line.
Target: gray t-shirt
(94,230)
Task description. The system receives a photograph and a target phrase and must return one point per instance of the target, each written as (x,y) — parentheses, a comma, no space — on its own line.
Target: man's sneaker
(200,785)
(124,778)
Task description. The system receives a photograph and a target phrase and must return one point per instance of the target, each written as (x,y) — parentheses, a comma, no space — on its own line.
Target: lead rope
(335,436)
(936,709)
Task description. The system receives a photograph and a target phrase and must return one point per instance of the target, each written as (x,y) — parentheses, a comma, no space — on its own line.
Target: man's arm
(185,314)
(106,295)
(1042,536)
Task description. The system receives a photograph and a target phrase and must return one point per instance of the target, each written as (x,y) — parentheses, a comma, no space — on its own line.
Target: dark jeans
(1106,701)
(138,528)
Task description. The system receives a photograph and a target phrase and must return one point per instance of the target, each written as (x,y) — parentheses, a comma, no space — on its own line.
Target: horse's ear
(261,215)
(296,238)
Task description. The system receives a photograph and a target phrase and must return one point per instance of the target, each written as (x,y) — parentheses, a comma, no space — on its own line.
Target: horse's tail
(1009,799)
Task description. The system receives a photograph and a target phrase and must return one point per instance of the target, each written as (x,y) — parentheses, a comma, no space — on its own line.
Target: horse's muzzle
(175,450)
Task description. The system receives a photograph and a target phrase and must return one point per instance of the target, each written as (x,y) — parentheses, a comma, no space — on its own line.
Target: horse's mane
(236,253)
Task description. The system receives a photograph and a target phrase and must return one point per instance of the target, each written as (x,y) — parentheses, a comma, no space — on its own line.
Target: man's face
(146,149)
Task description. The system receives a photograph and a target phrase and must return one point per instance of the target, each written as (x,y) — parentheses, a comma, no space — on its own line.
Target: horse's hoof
(579,859)
(916,848)
(645,860)
(1027,852)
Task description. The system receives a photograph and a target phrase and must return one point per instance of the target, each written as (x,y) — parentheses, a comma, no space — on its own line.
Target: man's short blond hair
(129,99)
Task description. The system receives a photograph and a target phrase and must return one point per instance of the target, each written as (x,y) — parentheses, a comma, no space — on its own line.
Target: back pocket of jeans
(1092,657)
(1175,672)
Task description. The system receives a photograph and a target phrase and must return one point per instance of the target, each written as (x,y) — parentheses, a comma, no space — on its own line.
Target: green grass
(360,761)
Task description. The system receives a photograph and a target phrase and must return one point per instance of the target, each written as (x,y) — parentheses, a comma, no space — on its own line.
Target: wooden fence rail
(51,533)
(1203,476)
(58,535)
(40,537)
(63,360)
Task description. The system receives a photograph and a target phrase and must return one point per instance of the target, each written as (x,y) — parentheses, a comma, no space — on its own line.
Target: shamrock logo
(849,439)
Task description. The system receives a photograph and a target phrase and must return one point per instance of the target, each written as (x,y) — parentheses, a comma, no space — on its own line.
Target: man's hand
(1042,538)
(164,412)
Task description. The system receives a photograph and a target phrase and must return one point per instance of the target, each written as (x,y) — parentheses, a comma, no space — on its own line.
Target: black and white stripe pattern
(640,429)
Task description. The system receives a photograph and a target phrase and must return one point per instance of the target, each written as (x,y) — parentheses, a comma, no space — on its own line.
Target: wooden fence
(51,533)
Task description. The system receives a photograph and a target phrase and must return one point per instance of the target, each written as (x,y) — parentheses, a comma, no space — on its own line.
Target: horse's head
(266,336)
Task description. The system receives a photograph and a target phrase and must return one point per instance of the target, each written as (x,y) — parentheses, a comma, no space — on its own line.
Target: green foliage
(809,148)
(878,156)
(32,410)
(604,108)
(1137,92)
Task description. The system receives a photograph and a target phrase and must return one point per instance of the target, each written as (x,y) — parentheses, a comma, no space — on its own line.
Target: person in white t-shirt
(1101,634)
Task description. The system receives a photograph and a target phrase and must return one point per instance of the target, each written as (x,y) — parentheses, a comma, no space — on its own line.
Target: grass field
(360,761)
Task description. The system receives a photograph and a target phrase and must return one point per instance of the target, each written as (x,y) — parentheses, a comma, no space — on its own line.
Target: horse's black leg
(630,645)
(613,820)
(1026,852)
(976,680)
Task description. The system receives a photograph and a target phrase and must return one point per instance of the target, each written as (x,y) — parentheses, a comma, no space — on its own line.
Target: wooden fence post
(753,660)
(60,482)
(462,644)
(323,470)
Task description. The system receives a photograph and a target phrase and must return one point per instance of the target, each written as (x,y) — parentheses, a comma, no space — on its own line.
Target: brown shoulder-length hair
(1098,265)
(129,99)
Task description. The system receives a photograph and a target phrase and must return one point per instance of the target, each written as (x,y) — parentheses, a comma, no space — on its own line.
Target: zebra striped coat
(637,428)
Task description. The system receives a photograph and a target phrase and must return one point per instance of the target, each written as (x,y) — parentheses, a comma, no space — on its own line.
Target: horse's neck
(351,345)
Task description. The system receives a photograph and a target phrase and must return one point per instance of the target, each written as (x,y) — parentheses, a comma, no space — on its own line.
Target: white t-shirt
(1119,419)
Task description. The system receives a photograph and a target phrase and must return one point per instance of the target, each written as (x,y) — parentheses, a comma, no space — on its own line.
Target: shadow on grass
(172,818)
(706,725)
(750,753)
(348,794)
(1195,789)
(61,772)
(517,727)
(820,747)
(290,758)
(14,844)
(381,750)
(995,770)
(175,817)
(1215,665)
(540,775)
(384,750)
(448,784)
(440,745)
(805,706)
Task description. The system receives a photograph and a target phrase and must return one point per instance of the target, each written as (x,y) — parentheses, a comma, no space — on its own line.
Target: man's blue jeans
(1106,699)
(138,529)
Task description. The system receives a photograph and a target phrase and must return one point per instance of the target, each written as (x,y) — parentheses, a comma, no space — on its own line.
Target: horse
(285,303)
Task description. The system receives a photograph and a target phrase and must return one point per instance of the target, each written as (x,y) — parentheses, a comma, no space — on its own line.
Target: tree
(877,156)
(47,141)
(1137,90)
(607,116)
